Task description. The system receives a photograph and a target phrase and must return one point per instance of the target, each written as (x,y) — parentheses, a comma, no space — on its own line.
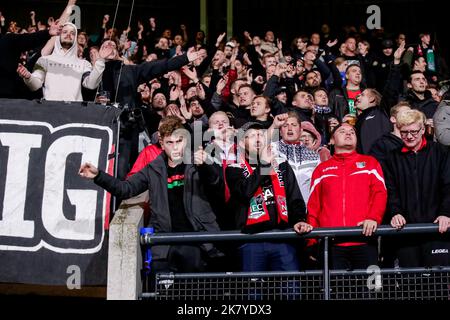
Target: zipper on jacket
(416,180)
(343,191)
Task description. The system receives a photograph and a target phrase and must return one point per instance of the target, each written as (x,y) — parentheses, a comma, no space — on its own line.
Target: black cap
(247,126)
(252,125)
(387,44)
(280,90)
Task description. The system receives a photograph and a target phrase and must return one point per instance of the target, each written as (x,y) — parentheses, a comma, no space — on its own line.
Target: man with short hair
(418,96)
(303,104)
(372,121)
(241,114)
(260,111)
(358,180)
(268,45)
(343,99)
(173,183)
(351,52)
(269,199)
(418,183)
(62,73)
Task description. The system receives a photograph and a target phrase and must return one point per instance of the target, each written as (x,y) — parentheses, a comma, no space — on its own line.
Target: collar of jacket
(367,111)
(345,156)
(414,98)
(423,144)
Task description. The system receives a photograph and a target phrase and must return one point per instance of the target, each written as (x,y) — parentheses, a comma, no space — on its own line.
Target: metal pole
(116,161)
(227,236)
(204,16)
(229,18)
(326,269)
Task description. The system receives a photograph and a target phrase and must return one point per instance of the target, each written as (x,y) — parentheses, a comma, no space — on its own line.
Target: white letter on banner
(85,201)
(374,21)
(20,144)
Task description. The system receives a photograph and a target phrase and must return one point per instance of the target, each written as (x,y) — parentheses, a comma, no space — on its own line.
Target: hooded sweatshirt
(62,73)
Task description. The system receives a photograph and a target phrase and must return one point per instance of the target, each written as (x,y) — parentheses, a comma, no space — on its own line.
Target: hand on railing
(303,227)
(444,223)
(398,221)
(369,227)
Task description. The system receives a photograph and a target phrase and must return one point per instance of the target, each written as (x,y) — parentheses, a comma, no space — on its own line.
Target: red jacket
(345,190)
(146,156)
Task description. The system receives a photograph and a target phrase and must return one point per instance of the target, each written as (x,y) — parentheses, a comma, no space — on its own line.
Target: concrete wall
(124,255)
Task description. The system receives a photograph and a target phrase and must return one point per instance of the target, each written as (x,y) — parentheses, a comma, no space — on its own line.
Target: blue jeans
(266,256)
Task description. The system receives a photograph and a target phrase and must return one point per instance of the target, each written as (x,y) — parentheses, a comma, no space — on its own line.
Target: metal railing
(326,284)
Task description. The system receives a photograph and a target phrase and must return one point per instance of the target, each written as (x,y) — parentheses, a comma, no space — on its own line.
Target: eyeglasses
(414,133)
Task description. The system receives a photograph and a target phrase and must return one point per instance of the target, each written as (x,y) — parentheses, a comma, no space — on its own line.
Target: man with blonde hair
(418,183)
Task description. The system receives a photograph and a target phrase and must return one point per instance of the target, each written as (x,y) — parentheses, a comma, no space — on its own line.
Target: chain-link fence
(326,284)
(392,284)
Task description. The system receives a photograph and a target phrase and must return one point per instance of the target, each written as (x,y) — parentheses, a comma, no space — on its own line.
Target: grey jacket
(153,177)
(441,121)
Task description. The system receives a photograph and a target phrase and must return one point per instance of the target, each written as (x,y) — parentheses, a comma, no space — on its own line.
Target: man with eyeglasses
(418,183)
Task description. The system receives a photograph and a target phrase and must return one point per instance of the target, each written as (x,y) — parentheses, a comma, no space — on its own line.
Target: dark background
(287,18)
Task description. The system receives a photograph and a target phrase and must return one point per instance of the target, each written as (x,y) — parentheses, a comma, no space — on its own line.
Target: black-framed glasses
(414,133)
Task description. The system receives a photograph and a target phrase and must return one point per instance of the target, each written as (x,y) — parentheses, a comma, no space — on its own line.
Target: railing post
(326,269)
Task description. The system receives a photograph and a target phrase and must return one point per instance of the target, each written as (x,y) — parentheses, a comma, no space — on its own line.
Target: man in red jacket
(347,190)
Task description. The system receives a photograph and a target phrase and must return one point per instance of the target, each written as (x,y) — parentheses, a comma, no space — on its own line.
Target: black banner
(53,223)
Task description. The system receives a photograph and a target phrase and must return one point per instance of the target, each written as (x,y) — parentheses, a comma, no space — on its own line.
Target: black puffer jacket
(418,183)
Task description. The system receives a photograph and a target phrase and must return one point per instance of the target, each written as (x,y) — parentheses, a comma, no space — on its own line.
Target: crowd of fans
(314,132)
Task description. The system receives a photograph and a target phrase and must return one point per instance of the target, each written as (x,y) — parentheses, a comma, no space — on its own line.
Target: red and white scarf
(257,212)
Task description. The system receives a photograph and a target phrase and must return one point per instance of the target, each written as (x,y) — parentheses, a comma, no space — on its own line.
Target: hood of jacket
(308,126)
(73,51)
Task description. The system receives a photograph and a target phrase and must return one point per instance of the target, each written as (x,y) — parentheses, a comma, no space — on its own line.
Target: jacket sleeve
(314,202)
(271,87)
(394,206)
(25,42)
(135,185)
(36,81)
(445,176)
(295,202)
(94,76)
(378,194)
(216,101)
(323,69)
(442,124)
(153,69)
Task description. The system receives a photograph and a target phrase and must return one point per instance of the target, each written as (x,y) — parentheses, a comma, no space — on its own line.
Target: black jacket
(153,177)
(243,189)
(11,46)
(339,102)
(384,145)
(372,123)
(418,184)
(427,106)
(133,75)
